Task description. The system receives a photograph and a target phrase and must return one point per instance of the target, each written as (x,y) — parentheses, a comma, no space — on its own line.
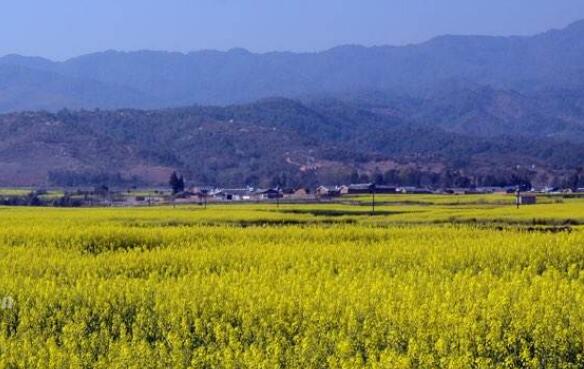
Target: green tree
(176,182)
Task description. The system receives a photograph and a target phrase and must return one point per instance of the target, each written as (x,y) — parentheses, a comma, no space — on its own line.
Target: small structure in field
(414,190)
(236,194)
(328,191)
(367,188)
(527,199)
(360,188)
(268,194)
(385,189)
(300,193)
(184,195)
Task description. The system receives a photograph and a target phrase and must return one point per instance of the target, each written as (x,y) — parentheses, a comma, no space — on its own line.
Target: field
(425,282)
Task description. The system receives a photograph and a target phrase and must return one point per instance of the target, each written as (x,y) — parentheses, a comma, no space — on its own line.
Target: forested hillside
(271,142)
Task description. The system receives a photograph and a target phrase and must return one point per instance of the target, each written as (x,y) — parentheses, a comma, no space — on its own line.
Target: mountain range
(153,79)
(480,106)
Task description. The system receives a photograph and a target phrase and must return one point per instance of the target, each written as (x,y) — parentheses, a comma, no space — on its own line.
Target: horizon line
(239,49)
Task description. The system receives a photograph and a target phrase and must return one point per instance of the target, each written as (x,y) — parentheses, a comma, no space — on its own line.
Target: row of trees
(444,179)
(422,178)
(36,199)
(415,177)
(447,178)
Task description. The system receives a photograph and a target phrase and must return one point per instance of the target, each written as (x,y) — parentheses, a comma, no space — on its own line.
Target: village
(204,195)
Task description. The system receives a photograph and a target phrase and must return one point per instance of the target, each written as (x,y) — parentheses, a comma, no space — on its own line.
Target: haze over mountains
(152,79)
(494,101)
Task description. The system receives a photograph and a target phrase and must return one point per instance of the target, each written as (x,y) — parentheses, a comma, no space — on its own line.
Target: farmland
(426,282)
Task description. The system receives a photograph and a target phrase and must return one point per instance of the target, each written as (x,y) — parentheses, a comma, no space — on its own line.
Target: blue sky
(60,29)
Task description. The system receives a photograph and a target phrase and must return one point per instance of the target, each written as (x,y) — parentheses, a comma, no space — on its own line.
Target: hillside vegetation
(271,142)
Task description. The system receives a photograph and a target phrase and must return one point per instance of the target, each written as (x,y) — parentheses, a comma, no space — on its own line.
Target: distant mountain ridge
(152,79)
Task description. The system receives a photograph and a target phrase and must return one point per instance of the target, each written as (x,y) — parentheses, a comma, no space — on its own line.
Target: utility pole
(372,188)
(518,197)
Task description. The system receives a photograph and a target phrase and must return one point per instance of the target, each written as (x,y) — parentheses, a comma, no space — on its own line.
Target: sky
(61,29)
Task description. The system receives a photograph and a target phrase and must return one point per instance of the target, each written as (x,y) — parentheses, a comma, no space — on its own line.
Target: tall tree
(181,184)
(176,183)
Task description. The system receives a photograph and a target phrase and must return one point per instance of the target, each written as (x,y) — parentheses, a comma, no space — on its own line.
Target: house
(300,193)
(101,191)
(184,195)
(204,191)
(235,194)
(287,192)
(490,189)
(365,188)
(468,191)
(328,191)
(527,199)
(361,188)
(269,194)
(456,191)
(414,190)
(385,189)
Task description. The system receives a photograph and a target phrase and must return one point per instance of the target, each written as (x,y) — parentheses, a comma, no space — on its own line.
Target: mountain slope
(321,142)
(25,88)
(153,79)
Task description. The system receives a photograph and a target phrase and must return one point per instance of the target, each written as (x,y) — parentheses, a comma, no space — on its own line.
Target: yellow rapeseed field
(426,284)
